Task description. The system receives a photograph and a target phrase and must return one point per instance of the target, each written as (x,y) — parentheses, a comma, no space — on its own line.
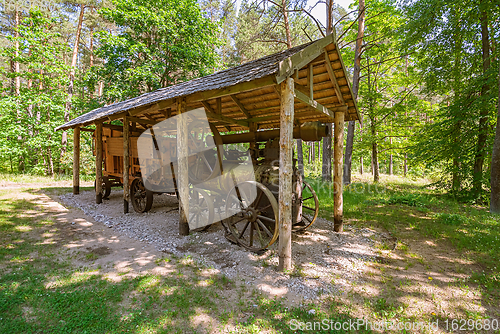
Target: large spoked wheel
(254,216)
(310,208)
(205,157)
(142,199)
(106,187)
(201,209)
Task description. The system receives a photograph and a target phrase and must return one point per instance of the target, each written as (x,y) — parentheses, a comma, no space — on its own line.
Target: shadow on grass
(41,290)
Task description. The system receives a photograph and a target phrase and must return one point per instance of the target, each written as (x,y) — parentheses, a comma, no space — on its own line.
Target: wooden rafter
(227,119)
(310,81)
(142,120)
(242,108)
(333,78)
(330,113)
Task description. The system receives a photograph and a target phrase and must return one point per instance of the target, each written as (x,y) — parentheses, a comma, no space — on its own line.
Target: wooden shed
(306,83)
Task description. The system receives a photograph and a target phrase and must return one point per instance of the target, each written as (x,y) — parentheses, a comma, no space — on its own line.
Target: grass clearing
(400,207)
(42,289)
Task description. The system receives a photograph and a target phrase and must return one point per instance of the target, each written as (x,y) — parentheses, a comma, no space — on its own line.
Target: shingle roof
(243,73)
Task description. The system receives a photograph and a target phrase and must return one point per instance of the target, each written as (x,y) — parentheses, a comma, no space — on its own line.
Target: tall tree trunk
(482,136)
(326,170)
(287,24)
(355,89)
(495,164)
(300,157)
(456,179)
(91,50)
(361,165)
(16,53)
(405,166)
(64,140)
(376,171)
(390,161)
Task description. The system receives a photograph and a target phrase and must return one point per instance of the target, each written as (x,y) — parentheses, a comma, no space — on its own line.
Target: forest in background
(425,72)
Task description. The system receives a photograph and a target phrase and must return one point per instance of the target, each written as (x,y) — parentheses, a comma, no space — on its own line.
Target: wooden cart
(141,197)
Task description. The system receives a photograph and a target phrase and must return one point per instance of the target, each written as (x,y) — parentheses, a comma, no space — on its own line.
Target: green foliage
(451,219)
(27,139)
(408,199)
(156,44)
(444,38)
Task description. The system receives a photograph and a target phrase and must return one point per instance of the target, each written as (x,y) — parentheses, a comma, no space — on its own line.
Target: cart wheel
(106,187)
(201,209)
(254,216)
(142,199)
(310,208)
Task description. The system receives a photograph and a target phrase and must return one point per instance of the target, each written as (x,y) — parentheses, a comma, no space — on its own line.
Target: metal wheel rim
(309,218)
(260,228)
(139,194)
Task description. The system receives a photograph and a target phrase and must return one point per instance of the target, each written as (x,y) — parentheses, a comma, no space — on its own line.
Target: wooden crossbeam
(277,90)
(210,110)
(208,107)
(315,105)
(333,78)
(226,119)
(151,118)
(142,120)
(242,108)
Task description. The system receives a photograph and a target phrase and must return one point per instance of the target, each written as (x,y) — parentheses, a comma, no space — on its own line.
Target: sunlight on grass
(397,204)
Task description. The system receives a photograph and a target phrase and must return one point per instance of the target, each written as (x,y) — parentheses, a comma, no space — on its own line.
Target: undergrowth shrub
(451,219)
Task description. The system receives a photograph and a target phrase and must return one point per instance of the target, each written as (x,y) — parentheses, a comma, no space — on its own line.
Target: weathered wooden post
(338,199)
(182,167)
(98,162)
(285,174)
(76,160)
(126,164)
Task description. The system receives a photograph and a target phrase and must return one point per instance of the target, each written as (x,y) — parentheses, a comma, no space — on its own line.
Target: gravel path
(326,262)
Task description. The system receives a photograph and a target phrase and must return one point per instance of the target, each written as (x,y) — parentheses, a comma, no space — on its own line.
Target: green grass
(28,178)
(404,207)
(41,290)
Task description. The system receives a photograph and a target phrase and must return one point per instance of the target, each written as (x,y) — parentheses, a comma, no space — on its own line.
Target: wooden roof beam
(288,66)
(210,110)
(330,113)
(142,121)
(225,119)
(242,108)
(333,78)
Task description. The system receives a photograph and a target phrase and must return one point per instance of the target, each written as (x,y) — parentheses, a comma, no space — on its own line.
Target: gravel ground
(325,262)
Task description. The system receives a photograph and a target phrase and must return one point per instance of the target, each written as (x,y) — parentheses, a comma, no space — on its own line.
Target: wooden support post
(126,164)
(98,162)
(338,149)
(182,167)
(76,160)
(285,174)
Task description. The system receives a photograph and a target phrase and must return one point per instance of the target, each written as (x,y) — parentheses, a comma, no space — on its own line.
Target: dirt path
(320,255)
